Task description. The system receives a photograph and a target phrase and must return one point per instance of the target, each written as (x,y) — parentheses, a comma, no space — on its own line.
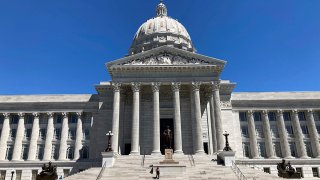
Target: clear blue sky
(53,47)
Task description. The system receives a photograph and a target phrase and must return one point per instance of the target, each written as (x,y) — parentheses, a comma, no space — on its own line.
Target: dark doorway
(163,125)
(127,149)
(205,146)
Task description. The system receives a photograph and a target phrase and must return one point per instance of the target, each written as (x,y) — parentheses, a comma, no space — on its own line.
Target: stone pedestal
(108,158)
(170,169)
(168,157)
(227,157)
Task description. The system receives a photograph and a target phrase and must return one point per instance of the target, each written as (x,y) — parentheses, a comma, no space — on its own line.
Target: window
(259,131)
(289,130)
(266,170)
(55,151)
(246,149)
(257,116)
(87,118)
(286,116)
(24,152)
(1,119)
(272,116)
(2,174)
(277,149)
(244,131)
(14,119)
(84,152)
(299,169)
(274,131)
(34,174)
(9,152)
(73,118)
(305,131)
(43,120)
(86,134)
(318,128)
(70,151)
(243,116)
(42,134)
(57,133)
(262,149)
(317,116)
(28,119)
(40,151)
(27,134)
(18,174)
(315,172)
(13,133)
(293,149)
(58,119)
(309,149)
(301,116)
(66,172)
(72,134)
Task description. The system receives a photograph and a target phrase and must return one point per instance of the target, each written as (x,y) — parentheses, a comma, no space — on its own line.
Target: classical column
(115,117)
(34,138)
(314,136)
(267,134)
(135,118)
(301,147)
(156,118)
(285,148)
(4,136)
(252,135)
(18,140)
(198,144)
(217,111)
(64,138)
(177,117)
(213,124)
(79,137)
(49,137)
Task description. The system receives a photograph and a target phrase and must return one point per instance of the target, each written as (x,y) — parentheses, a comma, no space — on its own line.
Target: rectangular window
(266,170)
(305,131)
(317,115)
(72,134)
(86,134)
(40,151)
(309,149)
(243,116)
(57,133)
(244,131)
(13,133)
(18,174)
(42,134)
(87,117)
(14,119)
(257,116)
(277,149)
(24,152)
(289,130)
(66,172)
(315,172)
(34,174)
(274,131)
(293,149)
(1,119)
(301,116)
(27,134)
(73,118)
(299,169)
(55,151)
(28,119)
(318,128)
(259,131)
(9,152)
(272,116)
(43,120)
(2,174)
(286,116)
(246,149)
(262,149)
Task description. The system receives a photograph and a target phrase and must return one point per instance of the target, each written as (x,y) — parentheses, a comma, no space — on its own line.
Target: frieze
(225,104)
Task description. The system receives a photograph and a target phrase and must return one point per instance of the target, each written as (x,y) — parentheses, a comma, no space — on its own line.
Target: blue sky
(54,47)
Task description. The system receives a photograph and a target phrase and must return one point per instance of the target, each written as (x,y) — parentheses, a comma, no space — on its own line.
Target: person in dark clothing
(158,173)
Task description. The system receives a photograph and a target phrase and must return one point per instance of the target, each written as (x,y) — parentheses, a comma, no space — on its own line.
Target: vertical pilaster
(79,137)
(4,136)
(135,118)
(177,117)
(64,138)
(267,134)
(34,138)
(116,117)
(49,137)
(217,111)
(156,118)
(252,135)
(18,140)
(285,148)
(301,147)
(198,145)
(314,136)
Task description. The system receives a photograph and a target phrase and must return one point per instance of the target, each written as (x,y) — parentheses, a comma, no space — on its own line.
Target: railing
(143,159)
(194,164)
(191,160)
(238,172)
(102,170)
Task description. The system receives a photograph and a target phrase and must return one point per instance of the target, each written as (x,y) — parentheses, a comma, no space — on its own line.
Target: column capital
(6,115)
(250,112)
(65,114)
(294,111)
(309,110)
(50,114)
(215,85)
(279,112)
(135,86)
(79,114)
(196,85)
(36,114)
(21,115)
(155,86)
(264,112)
(116,86)
(175,86)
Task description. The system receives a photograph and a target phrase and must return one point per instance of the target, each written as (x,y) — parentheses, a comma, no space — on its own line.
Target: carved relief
(225,104)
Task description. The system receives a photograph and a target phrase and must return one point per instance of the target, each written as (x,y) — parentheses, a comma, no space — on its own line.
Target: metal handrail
(194,164)
(143,159)
(238,172)
(102,170)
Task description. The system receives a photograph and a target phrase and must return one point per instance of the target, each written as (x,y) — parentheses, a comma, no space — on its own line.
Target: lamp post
(109,148)
(12,173)
(227,148)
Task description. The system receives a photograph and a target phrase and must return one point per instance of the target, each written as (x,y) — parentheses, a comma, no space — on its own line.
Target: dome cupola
(160,31)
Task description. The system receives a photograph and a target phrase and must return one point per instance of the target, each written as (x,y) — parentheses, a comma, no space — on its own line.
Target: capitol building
(162,82)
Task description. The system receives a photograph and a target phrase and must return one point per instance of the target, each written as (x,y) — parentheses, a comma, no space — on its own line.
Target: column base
(288,157)
(156,153)
(304,157)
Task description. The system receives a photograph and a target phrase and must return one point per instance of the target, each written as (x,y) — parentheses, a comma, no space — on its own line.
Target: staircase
(197,167)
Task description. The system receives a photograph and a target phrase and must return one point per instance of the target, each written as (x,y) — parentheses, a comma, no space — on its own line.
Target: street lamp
(109,148)
(12,173)
(227,148)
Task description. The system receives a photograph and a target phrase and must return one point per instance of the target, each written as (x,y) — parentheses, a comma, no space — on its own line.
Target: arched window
(70,151)
(84,152)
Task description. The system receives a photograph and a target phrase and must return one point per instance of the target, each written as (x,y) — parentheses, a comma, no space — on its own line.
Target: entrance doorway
(163,125)
(127,149)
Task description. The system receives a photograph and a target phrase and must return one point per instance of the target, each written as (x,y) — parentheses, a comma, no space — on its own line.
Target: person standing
(158,173)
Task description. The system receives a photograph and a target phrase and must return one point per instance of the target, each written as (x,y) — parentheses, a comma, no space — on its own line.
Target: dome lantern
(162,9)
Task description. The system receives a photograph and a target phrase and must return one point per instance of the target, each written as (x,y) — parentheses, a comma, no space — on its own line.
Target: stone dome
(159,31)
